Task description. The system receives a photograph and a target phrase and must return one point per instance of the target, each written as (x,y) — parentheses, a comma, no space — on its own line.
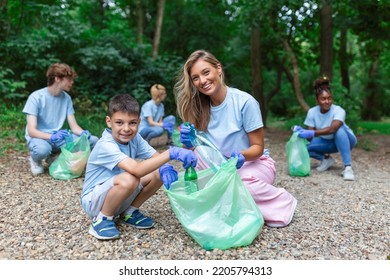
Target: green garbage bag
(72,160)
(298,159)
(221,214)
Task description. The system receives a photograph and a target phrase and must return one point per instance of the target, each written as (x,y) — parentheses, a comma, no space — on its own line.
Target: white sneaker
(36,167)
(348,174)
(325,164)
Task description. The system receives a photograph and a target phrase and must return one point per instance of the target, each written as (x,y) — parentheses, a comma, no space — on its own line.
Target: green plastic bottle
(191,180)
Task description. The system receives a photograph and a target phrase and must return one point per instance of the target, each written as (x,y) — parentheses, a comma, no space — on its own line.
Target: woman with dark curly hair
(327,131)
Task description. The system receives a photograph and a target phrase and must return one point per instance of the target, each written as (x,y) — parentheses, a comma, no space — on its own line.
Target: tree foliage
(110,45)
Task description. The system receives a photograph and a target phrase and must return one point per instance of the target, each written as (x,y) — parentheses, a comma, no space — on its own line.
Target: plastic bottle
(191,180)
(206,149)
(69,138)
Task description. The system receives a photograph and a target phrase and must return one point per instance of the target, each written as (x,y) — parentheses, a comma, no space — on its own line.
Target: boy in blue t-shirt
(115,183)
(46,110)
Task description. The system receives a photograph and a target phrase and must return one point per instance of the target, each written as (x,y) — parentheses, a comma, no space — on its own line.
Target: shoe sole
(349,179)
(92,232)
(135,226)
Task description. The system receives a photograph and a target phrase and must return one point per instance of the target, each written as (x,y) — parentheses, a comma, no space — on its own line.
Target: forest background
(271,49)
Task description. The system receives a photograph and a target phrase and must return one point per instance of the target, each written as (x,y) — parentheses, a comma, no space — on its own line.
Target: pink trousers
(276,204)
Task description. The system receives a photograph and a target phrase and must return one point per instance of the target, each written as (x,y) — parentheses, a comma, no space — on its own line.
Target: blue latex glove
(186,134)
(188,157)
(168,126)
(305,133)
(86,132)
(240,159)
(58,135)
(168,175)
(296,128)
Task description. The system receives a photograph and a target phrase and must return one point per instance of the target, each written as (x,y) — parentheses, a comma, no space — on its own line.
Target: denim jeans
(40,149)
(343,142)
(156,131)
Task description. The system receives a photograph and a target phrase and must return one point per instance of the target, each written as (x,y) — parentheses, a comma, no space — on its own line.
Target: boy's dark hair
(123,103)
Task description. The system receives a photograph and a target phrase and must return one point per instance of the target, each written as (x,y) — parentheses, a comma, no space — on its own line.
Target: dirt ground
(334,219)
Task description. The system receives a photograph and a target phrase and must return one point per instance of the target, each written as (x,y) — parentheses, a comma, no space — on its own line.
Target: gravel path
(41,218)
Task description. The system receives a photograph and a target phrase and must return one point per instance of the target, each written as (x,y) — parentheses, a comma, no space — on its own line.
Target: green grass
(382,127)
(13,123)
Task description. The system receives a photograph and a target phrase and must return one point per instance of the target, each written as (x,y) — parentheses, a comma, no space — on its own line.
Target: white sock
(130,210)
(101,215)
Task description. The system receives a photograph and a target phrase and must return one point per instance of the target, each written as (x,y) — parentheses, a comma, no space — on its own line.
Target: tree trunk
(140,21)
(159,21)
(343,59)
(278,83)
(257,77)
(372,101)
(4,4)
(20,20)
(326,39)
(296,83)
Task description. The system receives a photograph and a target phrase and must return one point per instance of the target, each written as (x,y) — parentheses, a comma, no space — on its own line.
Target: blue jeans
(156,131)
(40,149)
(342,142)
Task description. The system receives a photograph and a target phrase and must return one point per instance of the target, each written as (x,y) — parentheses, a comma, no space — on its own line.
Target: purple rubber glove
(168,175)
(188,157)
(305,133)
(86,132)
(168,127)
(58,135)
(186,134)
(240,159)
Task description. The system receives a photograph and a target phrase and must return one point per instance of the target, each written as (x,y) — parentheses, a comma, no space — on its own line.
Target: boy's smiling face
(124,126)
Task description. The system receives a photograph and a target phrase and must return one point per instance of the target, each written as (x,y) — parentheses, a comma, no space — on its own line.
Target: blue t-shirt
(318,120)
(107,153)
(230,121)
(150,109)
(51,111)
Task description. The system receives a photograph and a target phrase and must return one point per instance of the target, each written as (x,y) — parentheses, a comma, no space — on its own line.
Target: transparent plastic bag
(72,160)
(222,213)
(298,159)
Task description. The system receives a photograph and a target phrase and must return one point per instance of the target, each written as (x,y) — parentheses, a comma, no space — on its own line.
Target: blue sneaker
(137,220)
(104,229)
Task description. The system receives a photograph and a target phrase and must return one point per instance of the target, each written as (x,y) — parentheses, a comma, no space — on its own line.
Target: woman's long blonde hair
(191,105)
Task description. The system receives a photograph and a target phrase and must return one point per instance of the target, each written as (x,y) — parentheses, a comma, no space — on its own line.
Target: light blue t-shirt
(318,120)
(107,153)
(150,109)
(51,111)
(230,121)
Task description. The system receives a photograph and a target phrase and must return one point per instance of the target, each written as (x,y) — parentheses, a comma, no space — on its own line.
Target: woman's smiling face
(325,100)
(206,77)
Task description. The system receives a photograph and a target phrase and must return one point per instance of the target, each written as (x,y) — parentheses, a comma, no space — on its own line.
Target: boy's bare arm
(142,168)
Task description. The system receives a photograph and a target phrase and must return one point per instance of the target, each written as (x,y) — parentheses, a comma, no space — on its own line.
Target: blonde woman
(232,120)
(153,123)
